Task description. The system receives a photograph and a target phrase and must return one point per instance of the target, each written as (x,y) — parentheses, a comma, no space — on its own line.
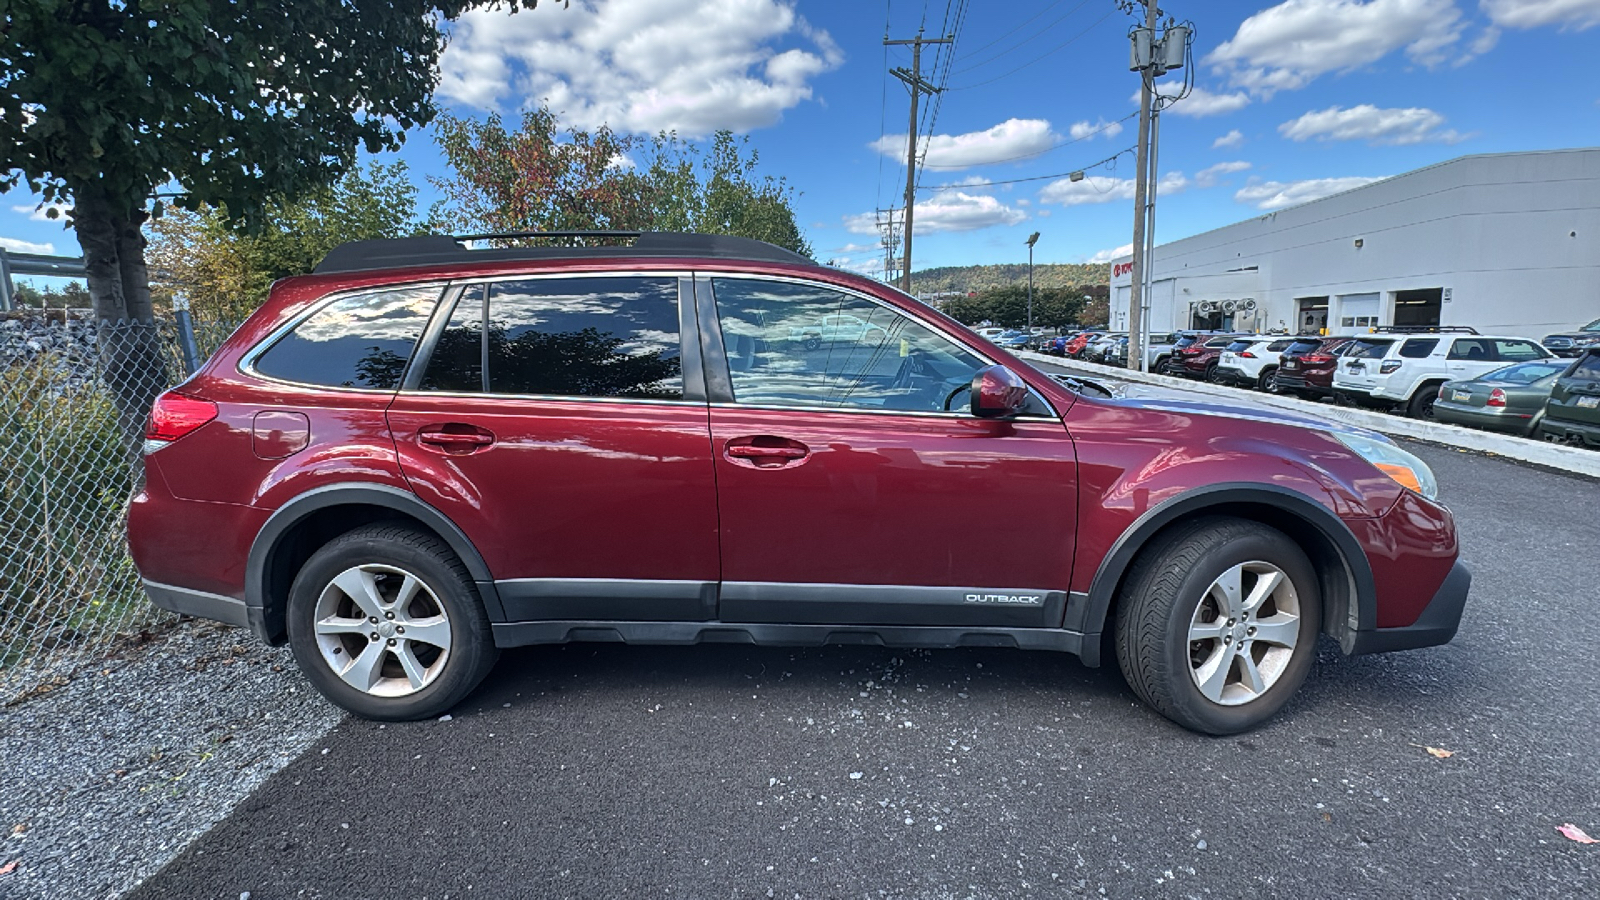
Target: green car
(1510,399)
(1573,413)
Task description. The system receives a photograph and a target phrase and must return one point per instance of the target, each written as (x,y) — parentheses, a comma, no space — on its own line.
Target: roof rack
(443,249)
(1425,329)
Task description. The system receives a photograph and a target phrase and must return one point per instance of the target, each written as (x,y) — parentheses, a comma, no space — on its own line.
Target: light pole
(1032,239)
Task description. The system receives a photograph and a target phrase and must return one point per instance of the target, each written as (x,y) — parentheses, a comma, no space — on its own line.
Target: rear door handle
(746,451)
(455,438)
(765,451)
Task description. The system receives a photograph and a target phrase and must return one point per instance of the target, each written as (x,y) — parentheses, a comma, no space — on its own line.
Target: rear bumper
(1457,414)
(1564,428)
(198,603)
(1437,624)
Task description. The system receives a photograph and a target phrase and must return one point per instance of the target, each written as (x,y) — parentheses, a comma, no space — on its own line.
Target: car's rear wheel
(1217,624)
(385,621)
(1212,375)
(1421,404)
(1269,380)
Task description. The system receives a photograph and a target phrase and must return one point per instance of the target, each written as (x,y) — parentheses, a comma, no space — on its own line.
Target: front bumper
(1437,624)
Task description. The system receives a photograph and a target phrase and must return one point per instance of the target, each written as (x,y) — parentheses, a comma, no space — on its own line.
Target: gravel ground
(111,775)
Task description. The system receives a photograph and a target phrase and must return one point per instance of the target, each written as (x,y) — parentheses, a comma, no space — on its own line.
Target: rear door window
(1473,350)
(1588,368)
(564,337)
(360,341)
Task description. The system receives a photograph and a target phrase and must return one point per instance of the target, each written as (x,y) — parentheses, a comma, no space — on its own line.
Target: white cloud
(871,266)
(20,246)
(641,65)
(1101,127)
(1232,139)
(949,211)
(856,248)
(1485,41)
(1210,175)
(1577,14)
(1105,256)
(1411,125)
(1278,194)
(1201,102)
(1010,139)
(1067,192)
(1286,46)
(39,212)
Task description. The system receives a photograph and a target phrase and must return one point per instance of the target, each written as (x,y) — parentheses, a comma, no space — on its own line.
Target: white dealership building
(1508,243)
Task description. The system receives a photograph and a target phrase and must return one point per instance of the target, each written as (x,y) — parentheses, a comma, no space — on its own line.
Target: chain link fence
(71,391)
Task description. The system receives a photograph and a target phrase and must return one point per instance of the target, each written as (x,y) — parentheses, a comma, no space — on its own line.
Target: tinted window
(1515,351)
(1239,346)
(1588,368)
(1418,348)
(1278,346)
(1300,348)
(1362,348)
(457,360)
(808,345)
(1526,373)
(1184,341)
(584,337)
(1473,349)
(360,341)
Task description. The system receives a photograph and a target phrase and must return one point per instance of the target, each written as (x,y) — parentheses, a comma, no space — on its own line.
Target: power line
(1047,54)
(1093,165)
(1039,33)
(1052,5)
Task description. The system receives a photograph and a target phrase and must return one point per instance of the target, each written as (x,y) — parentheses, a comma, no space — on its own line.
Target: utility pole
(1152,57)
(918,86)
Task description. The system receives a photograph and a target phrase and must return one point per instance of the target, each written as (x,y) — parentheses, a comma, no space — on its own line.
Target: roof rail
(1425,329)
(442,249)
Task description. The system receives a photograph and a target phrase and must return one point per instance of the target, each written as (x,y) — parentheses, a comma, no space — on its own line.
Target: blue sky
(1293,101)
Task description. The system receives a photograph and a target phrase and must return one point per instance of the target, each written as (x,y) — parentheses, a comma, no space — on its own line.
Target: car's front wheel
(1217,624)
(385,621)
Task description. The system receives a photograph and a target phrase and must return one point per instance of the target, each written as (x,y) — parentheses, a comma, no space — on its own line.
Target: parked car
(991,332)
(1405,367)
(635,450)
(1510,399)
(1573,411)
(1574,343)
(1158,347)
(1305,368)
(1095,352)
(1076,346)
(837,327)
(1252,362)
(1014,339)
(1199,359)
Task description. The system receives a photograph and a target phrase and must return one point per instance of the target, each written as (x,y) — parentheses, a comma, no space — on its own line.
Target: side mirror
(998,393)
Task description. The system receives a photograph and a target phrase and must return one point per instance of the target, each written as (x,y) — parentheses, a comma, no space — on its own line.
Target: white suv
(1253,361)
(1405,367)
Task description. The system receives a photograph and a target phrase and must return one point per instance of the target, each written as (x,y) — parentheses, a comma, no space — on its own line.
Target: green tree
(1008,306)
(226,269)
(543,177)
(229,103)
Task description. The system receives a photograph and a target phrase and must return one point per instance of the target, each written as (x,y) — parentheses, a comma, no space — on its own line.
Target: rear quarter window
(360,341)
(1418,348)
(1363,348)
(1588,367)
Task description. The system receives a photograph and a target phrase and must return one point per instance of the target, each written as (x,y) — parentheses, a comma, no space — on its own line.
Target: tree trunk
(131,362)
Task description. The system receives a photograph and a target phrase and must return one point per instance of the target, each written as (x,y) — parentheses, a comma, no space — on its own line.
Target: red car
(421,453)
(1080,342)
(1307,366)
(1199,359)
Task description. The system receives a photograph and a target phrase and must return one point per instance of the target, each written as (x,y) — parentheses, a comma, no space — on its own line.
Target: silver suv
(1399,366)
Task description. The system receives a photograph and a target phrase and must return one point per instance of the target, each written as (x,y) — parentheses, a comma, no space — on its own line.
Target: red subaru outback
(422,453)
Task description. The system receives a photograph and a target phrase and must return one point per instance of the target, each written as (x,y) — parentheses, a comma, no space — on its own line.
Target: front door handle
(766,451)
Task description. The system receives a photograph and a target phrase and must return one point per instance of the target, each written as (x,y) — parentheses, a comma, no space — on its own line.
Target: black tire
(471,652)
(1420,406)
(1165,589)
(1268,381)
(1211,375)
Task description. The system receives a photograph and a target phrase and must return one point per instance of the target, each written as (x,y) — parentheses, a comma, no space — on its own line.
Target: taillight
(1497,397)
(175,415)
(1248,355)
(1389,367)
(1316,358)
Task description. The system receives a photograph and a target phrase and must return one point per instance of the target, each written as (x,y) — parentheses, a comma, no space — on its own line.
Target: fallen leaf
(1569,831)
(1441,754)
(8,867)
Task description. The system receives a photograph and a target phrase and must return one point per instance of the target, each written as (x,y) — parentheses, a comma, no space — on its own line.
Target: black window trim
(719,381)
(694,384)
(247,363)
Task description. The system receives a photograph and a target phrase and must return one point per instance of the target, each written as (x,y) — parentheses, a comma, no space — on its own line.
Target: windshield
(1527,373)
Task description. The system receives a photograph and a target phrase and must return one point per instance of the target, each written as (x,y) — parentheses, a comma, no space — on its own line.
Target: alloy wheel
(1243,633)
(382,630)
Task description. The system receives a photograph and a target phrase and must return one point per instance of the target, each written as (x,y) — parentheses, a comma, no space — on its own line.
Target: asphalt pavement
(735,771)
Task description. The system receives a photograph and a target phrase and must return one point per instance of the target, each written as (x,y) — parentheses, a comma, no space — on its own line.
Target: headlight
(1394,462)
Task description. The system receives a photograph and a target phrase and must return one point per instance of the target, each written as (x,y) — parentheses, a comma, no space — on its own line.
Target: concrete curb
(1576,460)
